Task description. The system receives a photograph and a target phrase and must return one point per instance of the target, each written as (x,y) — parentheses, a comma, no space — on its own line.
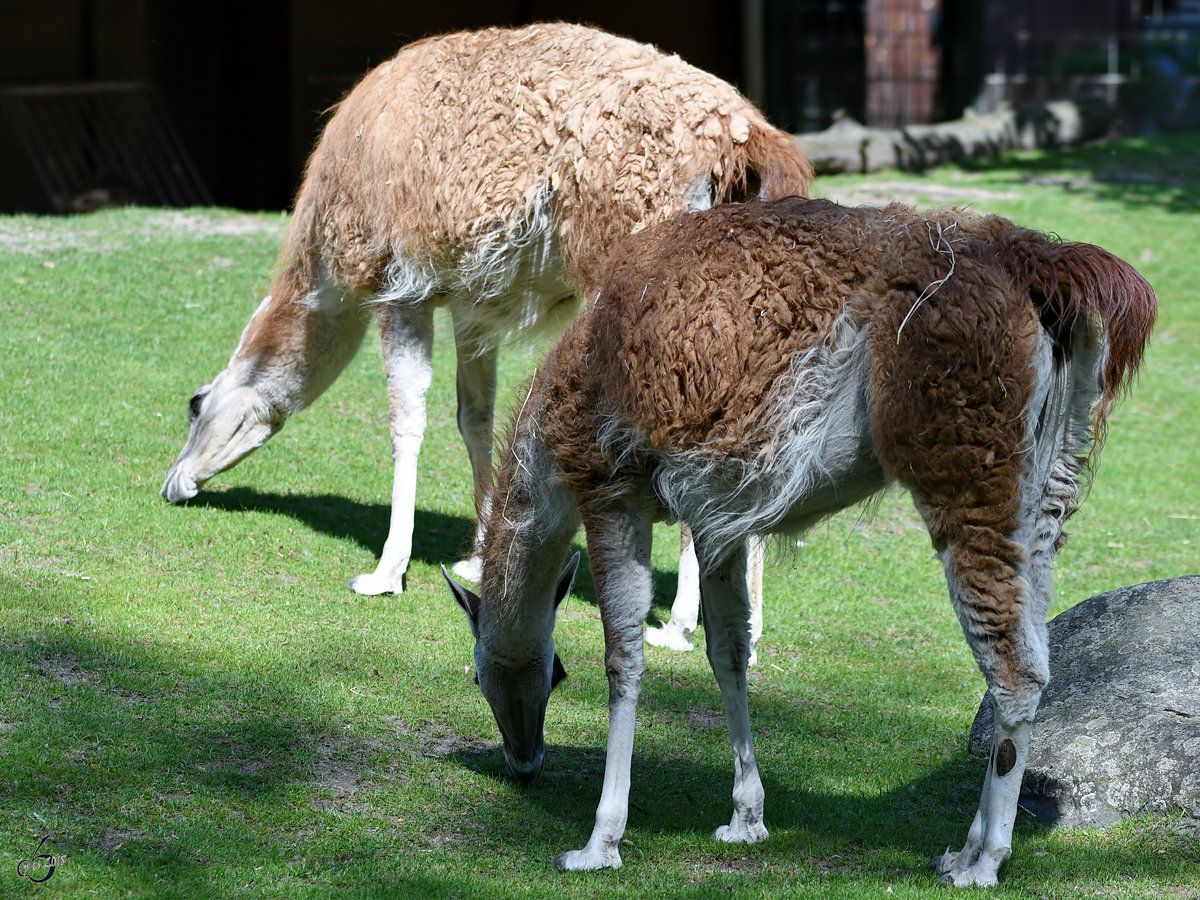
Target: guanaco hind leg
(1014,657)
(726,600)
(1011,652)
(989,840)
(476,389)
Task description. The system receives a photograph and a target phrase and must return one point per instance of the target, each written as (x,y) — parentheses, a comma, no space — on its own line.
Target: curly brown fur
(696,333)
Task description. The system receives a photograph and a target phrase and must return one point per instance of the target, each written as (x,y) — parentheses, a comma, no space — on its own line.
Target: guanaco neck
(533,519)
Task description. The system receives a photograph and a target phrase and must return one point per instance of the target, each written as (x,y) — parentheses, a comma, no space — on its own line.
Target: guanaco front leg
(407,338)
(677,633)
(619,549)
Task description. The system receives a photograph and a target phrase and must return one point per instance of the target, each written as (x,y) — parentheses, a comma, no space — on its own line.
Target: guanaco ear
(467,600)
(566,579)
(559,672)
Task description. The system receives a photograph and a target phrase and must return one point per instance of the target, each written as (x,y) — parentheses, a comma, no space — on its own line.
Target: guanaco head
(227,420)
(516,671)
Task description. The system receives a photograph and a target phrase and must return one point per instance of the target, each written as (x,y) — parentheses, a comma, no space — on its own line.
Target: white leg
(476,407)
(727,637)
(619,549)
(756,548)
(685,611)
(962,860)
(407,336)
(989,841)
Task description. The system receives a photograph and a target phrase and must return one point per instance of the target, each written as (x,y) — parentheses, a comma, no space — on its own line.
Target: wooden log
(849,147)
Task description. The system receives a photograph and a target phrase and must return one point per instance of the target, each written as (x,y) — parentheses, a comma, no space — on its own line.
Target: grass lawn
(192,704)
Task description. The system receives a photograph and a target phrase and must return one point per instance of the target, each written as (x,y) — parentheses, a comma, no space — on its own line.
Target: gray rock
(1118,729)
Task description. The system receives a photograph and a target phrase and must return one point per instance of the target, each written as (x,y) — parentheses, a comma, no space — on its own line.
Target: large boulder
(1118,729)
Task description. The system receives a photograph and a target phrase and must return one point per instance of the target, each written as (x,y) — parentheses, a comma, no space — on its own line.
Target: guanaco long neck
(532,522)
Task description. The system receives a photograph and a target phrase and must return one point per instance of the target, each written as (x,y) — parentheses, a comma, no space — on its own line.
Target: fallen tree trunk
(849,147)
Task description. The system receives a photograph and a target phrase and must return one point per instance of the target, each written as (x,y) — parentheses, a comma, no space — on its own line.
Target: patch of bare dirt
(198,224)
(836,864)
(235,757)
(64,669)
(915,193)
(134,698)
(338,767)
(115,838)
(437,740)
(37,235)
(712,863)
(347,766)
(703,719)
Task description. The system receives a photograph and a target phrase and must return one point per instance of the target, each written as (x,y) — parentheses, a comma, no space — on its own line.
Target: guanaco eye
(195,403)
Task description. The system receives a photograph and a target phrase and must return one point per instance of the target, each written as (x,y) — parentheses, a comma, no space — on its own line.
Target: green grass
(193,705)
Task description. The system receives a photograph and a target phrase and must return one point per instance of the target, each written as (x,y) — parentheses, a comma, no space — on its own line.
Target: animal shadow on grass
(1162,174)
(673,794)
(686,788)
(437,537)
(815,832)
